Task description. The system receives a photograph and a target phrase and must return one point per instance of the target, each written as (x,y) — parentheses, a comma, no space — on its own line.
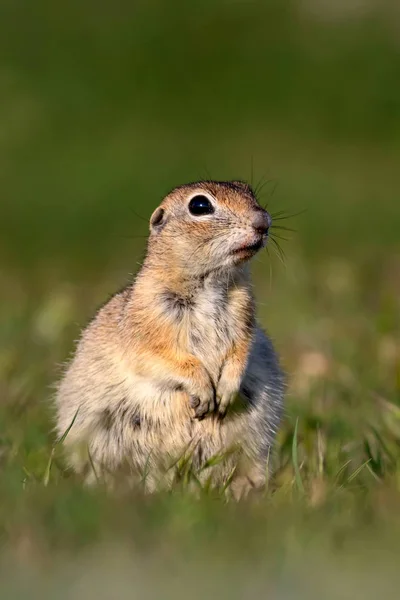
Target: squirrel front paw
(227,389)
(202,401)
(201,407)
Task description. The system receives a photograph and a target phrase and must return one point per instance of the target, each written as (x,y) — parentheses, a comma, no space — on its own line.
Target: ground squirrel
(160,369)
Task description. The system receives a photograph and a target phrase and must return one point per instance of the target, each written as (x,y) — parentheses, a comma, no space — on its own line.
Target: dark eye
(200,205)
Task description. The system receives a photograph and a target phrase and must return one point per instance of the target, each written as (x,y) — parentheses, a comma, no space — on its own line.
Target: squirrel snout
(261,221)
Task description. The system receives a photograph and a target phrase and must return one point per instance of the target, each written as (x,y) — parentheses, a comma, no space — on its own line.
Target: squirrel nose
(261,221)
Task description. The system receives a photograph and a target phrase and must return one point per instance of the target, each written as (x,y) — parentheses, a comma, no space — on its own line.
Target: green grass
(101,112)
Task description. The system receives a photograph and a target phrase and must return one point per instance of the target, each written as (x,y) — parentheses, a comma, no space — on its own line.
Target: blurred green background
(104,107)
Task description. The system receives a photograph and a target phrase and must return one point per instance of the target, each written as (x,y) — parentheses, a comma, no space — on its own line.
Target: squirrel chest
(206,322)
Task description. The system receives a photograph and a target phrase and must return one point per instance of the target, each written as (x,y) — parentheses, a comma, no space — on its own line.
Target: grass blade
(295,460)
(92,465)
(357,471)
(46,476)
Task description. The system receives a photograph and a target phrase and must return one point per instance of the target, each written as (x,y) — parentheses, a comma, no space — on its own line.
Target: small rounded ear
(157,219)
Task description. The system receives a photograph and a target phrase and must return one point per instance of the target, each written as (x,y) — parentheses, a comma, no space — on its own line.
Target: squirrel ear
(157,219)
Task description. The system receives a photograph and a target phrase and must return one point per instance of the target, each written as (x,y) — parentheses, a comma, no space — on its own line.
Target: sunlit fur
(156,372)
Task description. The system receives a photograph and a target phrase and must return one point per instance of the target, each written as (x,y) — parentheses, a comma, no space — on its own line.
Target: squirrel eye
(200,205)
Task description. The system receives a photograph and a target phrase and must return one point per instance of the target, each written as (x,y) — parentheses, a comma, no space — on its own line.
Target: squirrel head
(207,226)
